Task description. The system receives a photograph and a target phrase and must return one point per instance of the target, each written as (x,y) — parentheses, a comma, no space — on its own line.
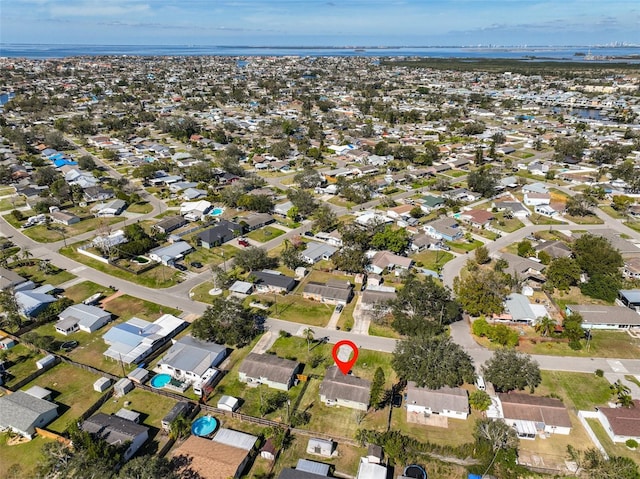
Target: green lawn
(23,458)
(612,212)
(72,390)
(297,309)
(81,291)
(213,256)
(265,234)
(126,307)
(201,292)
(159,277)
(603,344)
(433,260)
(22,361)
(581,391)
(383,331)
(42,234)
(52,275)
(15,223)
(12,203)
(464,246)
(537,219)
(458,433)
(143,207)
(584,220)
(508,225)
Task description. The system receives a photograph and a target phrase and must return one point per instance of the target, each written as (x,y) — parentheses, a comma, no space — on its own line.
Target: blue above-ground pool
(203,426)
(217,211)
(160,380)
(415,471)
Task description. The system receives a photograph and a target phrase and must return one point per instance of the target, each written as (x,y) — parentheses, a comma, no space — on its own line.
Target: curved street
(178,296)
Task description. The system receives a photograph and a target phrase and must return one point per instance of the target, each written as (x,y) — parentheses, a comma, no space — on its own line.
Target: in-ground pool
(217,211)
(160,380)
(203,426)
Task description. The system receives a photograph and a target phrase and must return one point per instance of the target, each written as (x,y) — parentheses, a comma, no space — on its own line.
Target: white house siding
(343,403)
(243,378)
(445,412)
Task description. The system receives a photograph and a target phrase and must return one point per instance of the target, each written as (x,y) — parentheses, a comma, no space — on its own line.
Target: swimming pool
(203,426)
(160,380)
(217,211)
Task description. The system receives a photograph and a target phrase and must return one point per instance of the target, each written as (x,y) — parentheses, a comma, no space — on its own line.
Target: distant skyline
(320,22)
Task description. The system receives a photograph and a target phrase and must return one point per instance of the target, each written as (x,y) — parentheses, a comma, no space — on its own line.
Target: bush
(17,215)
(599,373)
(631,443)
(284,334)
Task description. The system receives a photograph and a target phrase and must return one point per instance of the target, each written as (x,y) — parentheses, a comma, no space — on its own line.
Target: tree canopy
(433,362)
(508,370)
(423,306)
(482,292)
(601,262)
(254,258)
(483,180)
(227,321)
(390,238)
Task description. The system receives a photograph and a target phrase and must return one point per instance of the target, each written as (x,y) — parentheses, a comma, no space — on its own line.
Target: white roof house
(171,253)
(195,210)
(83,317)
(189,358)
(315,252)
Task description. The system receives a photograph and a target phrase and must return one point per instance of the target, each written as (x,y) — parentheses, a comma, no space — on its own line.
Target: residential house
(64,217)
(223,232)
(477,218)
(524,268)
(169,224)
(270,370)
(117,431)
(377,297)
(22,413)
(332,292)
(345,390)
(537,199)
(535,188)
(334,238)
(112,208)
(168,255)
(555,249)
(630,298)
(446,401)
(32,302)
(461,194)
(257,220)
(315,252)
(371,219)
(283,208)
(106,242)
(195,210)
(530,415)
(132,341)
(273,282)
(446,229)
(10,279)
(421,242)
(631,268)
(82,317)
(97,193)
(386,260)
(546,210)
(430,203)
(518,309)
(189,359)
(621,423)
(400,212)
(596,316)
(190,194)
(371,470)
(514,208)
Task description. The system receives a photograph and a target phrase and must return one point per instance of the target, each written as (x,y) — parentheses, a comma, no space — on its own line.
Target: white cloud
(97,8)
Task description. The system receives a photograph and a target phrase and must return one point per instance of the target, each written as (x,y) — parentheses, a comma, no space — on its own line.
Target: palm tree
(308,334)
(179,427)
(622,392)
(545,326)
(26,254)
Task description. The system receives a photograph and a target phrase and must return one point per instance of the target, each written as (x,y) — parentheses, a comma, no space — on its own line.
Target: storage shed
(7,343)
(129,415)
(47,362)
(138,375)
(102,384)
(320,447)
(122,387)
(183,408)
(228,403)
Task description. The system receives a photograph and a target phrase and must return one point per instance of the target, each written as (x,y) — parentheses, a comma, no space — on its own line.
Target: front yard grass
(383,331)
(53,275)
(72,390)
(612,212)
(433,260)
(508,225)
(296,308)
(578,391)
(464,246)
(538,219)
(42,234)
(143,207)
(584,220)
(603,344)
(265,234)
(159,277)
(81,291)
(12,203)
(126,307)
(213,256)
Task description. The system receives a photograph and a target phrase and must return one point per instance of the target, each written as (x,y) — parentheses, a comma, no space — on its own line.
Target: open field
(42,234)
(51,275)
(459,431)
(265,234)
(464,246)
(578,391)
(433,260)
(81,291)
(125,307)
(296,308)
(143,207)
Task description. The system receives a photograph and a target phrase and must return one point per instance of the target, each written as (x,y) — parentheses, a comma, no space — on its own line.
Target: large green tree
(254,259)
(433,362)
(392,239)
(601,262)
(562,273)
(481,292)
(227,321)
(483,180)
(423,306)
(508,370)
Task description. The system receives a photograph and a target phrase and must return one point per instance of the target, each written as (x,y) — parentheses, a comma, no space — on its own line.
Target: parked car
(179,267)
(339,308)
(308,233)
(196,264)
(244,243)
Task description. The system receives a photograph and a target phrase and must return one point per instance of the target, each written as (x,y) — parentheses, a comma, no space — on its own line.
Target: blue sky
(320,22)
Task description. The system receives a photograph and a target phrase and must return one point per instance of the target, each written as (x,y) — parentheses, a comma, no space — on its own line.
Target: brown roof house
(268,369)
(447,402)
(533,414)
(621,423)
(345,390)
(212,459)
(477,218)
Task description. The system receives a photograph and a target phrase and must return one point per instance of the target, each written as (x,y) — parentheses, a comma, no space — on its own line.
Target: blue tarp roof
(62,162)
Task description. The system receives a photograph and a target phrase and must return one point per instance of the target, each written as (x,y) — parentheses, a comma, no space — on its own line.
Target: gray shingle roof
(453,399)
(21,410)
(336,385)
(268,366)
(113,429)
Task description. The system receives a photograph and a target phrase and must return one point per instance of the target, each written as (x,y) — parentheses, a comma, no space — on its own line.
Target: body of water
(553,53)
